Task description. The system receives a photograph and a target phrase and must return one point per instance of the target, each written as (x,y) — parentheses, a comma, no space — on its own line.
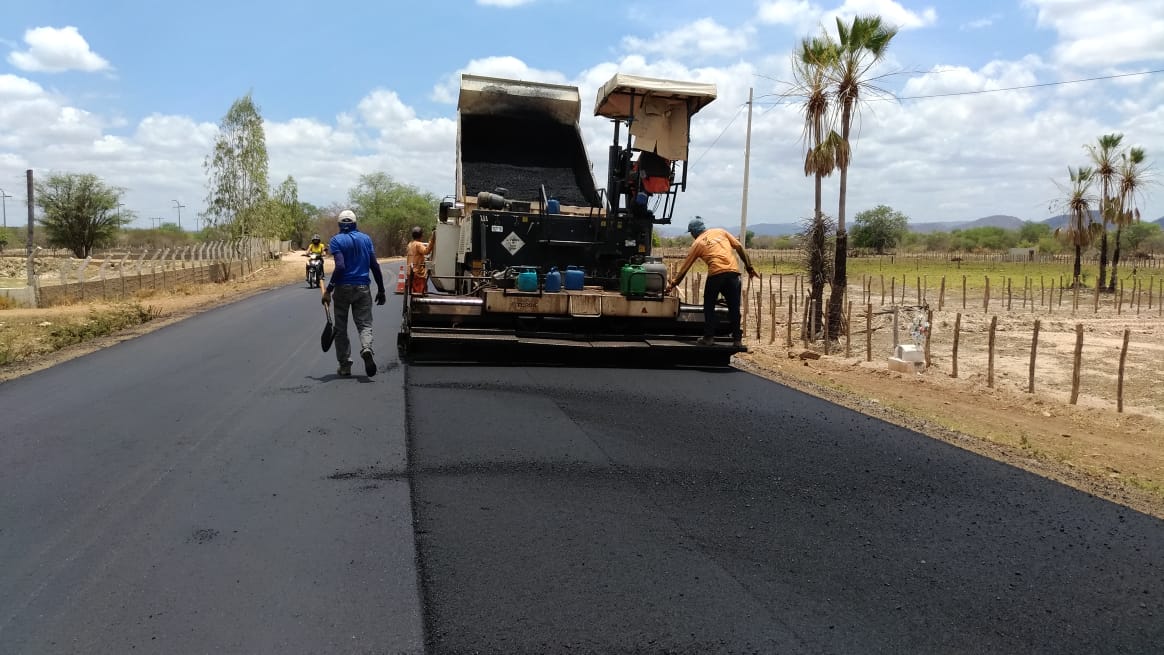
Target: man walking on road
(354,259)
(717,248)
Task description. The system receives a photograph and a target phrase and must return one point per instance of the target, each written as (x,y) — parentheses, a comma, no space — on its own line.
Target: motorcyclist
(316,247)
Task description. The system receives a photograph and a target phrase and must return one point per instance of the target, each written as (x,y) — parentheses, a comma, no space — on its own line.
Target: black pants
(727,284)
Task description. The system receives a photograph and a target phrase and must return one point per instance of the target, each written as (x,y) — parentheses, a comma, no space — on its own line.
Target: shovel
(328,334)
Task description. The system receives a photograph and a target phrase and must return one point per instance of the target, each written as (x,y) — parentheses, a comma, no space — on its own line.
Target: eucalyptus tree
(861,44)
(237,171)
(1104,156)
(1076,203)
(810,65)
(1130,181)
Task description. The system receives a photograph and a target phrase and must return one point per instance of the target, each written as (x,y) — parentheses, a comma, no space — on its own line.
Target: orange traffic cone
(400,280)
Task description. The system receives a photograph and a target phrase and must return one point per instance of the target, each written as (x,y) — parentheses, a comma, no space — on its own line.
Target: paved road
(212,487)
(209,487)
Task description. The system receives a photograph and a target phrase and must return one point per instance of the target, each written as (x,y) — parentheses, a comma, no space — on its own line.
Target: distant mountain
(1060,221)
(996,220)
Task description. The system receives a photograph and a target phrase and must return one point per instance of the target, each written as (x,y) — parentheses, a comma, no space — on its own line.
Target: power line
(1030,86)
(791,101)
(721,134)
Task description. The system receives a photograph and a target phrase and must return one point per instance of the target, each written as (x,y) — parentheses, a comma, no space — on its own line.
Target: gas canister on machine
(575,278)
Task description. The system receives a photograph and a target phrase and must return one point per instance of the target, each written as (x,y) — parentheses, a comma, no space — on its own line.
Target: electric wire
(724,131)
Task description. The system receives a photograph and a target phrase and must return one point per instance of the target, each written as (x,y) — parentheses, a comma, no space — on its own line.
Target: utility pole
(747,164)
(179,206)
(157,221)
(31,216)
(4,203)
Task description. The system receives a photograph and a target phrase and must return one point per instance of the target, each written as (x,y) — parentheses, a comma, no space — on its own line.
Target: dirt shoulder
(1115,456)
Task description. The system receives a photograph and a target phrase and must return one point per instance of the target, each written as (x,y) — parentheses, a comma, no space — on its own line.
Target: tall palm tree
(860,45)
(1104,155)
(810,65)
(1080,230)
(1129,183)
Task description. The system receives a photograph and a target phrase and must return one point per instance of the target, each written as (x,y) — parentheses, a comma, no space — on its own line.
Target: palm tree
(860,46)
(810,64)
(1103,155)
(1080,230)
(1130,182)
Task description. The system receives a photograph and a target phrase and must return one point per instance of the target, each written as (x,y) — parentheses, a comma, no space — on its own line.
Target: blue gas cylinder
(575,278)
(553,206)
(553,281)
(527,280)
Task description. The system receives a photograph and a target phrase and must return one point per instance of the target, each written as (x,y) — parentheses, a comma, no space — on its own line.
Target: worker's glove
(326,297)
(380,297)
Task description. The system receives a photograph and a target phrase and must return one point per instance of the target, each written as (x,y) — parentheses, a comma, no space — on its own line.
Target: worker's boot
(369,362)
(345,369)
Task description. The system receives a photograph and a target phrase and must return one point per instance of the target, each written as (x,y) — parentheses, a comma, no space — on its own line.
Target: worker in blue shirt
(354,258)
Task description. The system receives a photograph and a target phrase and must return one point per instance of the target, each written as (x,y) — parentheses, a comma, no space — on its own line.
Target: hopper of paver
(521,137)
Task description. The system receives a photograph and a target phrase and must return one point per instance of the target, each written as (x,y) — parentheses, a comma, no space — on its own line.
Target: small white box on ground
(910,353)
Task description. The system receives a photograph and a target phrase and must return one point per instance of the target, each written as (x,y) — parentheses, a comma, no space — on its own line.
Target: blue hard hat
(696,226)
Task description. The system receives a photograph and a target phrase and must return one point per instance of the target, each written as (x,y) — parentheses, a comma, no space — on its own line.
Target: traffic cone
(400,280)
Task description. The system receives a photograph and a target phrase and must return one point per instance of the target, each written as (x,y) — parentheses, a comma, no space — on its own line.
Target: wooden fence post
(788,342)
(942,294)
(759,313)
(1034,353)
(963,293)
(1009,295)
(869,332)
(1120,386)
(883,290)
(986,298)
(892,291)
(990,352)
(1077,362)
(825,327)
(849,330)
(1096,303)
(929,330)
(772,318)
(957,336)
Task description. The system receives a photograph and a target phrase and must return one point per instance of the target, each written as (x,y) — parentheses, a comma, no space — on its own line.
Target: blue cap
(696,226)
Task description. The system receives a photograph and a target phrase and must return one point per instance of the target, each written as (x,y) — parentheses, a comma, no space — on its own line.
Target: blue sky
(132,91)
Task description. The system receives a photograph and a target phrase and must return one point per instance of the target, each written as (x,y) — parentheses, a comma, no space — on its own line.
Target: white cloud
(1103,34)
(980,23)
(703,37)
(804,15)
(505,4)
(55,50)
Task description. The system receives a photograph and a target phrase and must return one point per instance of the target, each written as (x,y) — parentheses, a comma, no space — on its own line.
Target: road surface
(214,487)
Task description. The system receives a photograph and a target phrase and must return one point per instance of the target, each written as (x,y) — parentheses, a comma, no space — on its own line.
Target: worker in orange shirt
(717,248)
(416,254)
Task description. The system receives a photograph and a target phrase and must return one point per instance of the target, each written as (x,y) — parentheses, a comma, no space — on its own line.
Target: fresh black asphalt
(214,487)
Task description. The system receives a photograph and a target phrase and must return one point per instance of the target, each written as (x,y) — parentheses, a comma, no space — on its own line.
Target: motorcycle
(314,270)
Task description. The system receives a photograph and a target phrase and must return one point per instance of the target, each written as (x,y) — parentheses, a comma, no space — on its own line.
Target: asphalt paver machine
(534,263)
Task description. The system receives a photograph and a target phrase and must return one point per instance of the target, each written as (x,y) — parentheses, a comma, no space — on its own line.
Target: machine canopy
(659,111)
